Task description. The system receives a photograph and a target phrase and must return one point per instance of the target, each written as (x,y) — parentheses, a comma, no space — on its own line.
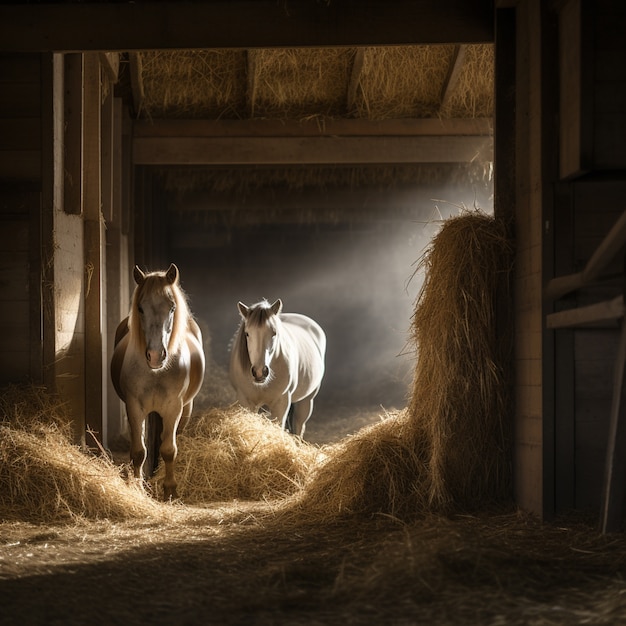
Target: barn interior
(440,185)
(334,234)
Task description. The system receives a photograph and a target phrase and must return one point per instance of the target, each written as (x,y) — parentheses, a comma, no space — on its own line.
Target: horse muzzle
(260,376)
(156,358)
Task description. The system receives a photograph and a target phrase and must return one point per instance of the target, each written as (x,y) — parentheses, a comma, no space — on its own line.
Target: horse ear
(243,310)
(138,275)
(172,274)
(277,307)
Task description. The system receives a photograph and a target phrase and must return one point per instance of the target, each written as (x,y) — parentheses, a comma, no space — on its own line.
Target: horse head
(156,302)
(260,326)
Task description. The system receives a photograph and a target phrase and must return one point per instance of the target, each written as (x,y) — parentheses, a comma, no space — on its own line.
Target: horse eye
(247,334)
(140,308)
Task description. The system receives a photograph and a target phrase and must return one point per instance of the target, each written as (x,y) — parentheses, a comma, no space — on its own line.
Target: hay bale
(233,453)
(44,477)
(459,396)
(449,450)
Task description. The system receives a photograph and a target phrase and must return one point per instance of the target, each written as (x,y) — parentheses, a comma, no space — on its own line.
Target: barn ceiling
(321,107)
(299,94)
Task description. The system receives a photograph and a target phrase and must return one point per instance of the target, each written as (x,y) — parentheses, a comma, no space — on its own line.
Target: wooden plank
(355,78)
(20,133)
(608,310)
(110,62)
(136,81)
(73,134)
(107,157)
(479,127)
(242,24)
(576,63)
(615,468)
(452,77)
(251,61)
(20,166)
(93,245)
(599,261)
(307,150)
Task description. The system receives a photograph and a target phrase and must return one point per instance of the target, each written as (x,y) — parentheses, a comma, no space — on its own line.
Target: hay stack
(459,394)
(232,453)
(44,477)
(449,450)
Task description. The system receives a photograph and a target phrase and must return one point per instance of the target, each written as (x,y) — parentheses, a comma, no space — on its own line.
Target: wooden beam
(110,62)
(251,59)
(454,71)
(614,241)
(432,127)
(355,78)
(615,464)
(95,353)
(607,311)
(73,134)
(136,81)
(124,26)
(308,150)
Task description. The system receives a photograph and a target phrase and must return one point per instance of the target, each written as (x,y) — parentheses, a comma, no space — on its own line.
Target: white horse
(158,365)
(277,360)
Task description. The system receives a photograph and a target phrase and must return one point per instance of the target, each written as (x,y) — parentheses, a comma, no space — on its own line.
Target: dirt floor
(237,564)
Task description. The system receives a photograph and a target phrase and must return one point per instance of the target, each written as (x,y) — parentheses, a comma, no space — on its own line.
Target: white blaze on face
(157,318)
(261,345)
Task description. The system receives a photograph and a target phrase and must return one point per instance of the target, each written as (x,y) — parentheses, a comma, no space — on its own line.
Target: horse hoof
(169,494)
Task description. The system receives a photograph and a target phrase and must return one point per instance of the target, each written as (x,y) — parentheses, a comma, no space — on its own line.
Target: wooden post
(93,225)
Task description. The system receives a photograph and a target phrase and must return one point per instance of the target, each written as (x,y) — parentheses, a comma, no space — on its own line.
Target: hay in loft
(194,83)
(300,82)
(44,477)
(306,83)
(227,454)
(474,94)
(404,81)
(449,449)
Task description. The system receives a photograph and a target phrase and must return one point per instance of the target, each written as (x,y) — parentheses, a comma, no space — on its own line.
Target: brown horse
(158,365)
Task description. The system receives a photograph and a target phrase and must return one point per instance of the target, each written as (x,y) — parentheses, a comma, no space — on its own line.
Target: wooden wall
(64,178)
(589,199)
(20,225)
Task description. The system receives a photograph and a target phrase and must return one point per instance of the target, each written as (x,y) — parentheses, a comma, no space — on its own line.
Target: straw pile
(232,453)
(460,385)
(45,477)
(449,450)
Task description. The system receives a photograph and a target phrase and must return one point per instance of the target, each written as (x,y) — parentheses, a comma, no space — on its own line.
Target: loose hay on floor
(232,453)
(44,477)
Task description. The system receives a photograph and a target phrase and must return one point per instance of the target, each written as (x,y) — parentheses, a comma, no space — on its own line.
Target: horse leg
(279,409)
(136,420)
(169,450)
(184,418)
(301,412)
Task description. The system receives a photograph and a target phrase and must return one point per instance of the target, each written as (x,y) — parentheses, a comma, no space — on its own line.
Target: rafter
(136,80)
(454,71)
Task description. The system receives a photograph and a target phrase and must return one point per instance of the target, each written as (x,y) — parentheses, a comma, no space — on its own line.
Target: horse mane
(157,282)
(259,315)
